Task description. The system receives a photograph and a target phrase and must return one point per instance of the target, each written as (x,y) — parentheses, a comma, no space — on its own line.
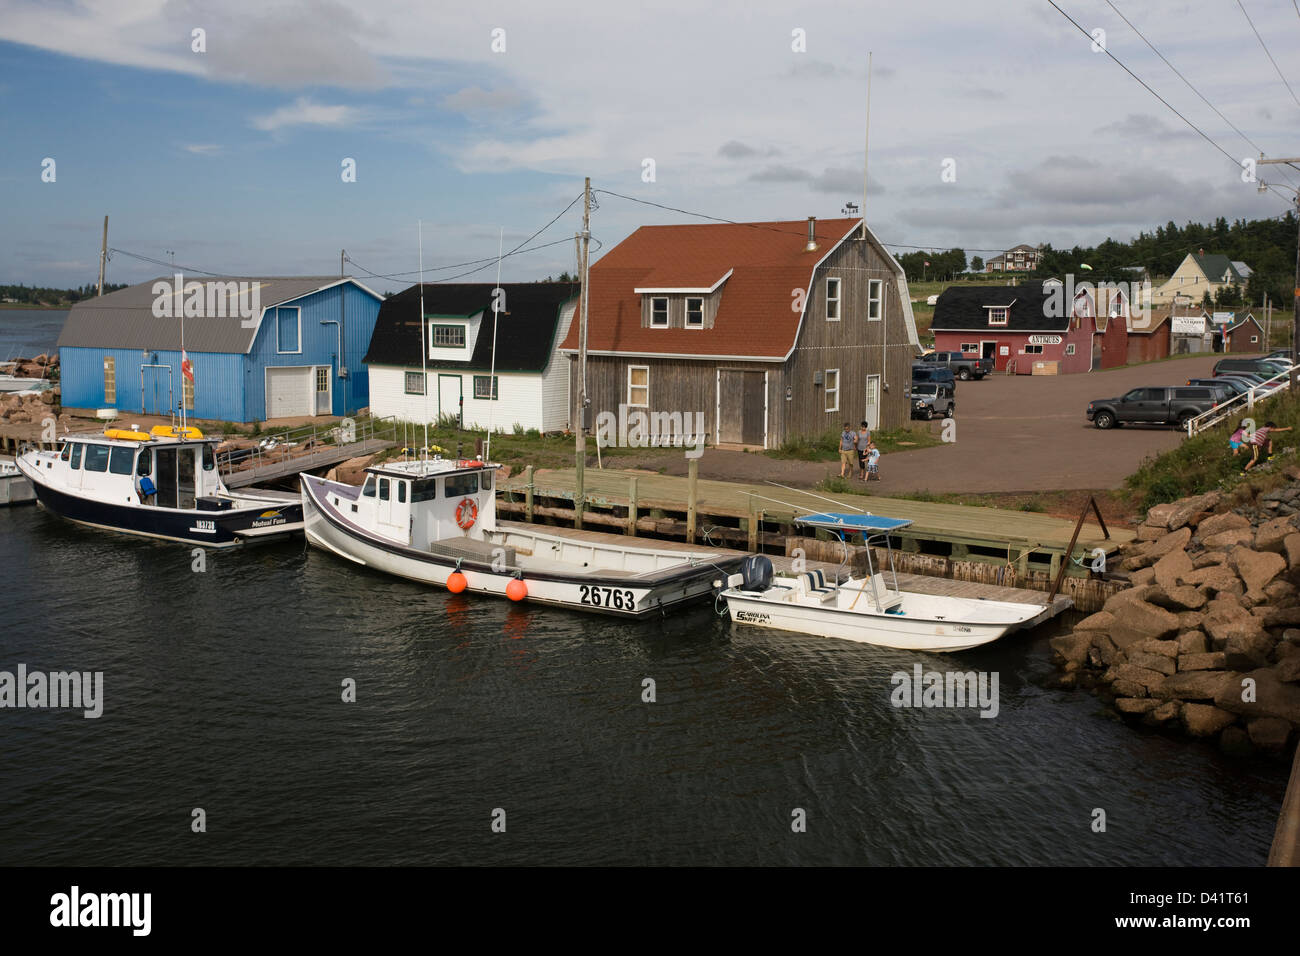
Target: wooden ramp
(324,457)
(967,533)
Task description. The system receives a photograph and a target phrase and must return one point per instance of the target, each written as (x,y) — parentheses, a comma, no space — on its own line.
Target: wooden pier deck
(922,583)
(726,510)
(325,456)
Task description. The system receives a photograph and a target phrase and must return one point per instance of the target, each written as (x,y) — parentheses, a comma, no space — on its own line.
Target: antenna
(424,349)
(492,375)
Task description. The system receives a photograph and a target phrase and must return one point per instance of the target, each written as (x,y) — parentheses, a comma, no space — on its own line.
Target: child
(873,461)
(1237,438)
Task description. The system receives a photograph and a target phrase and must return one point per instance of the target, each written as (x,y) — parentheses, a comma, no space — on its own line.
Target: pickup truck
(965,365)
(1175,405)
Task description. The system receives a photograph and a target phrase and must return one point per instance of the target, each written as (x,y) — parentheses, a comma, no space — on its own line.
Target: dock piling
(631,506)
(528,493)
(692,497)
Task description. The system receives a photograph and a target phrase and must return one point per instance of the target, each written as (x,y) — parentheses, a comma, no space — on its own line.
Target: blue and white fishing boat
(871,609)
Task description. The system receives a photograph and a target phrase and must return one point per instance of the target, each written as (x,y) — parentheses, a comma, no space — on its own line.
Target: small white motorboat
(434,521)
(14,488)
(872,609)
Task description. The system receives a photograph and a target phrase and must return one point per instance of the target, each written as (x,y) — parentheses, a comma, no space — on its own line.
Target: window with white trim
(832,299)
(1033,350)
(414,384)
(1069,349)
(875,300)
(659,313)
(998,316)
(1254,339)
(970,346)
(638,385)
(832,390)
(694,313)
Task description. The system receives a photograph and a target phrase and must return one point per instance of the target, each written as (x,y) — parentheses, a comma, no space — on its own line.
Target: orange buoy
(516,590)
(456,582)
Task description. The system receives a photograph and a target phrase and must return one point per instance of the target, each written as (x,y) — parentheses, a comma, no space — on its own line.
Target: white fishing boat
(434,521)
(14,488)
(163,483)
(872,609)
(13,383)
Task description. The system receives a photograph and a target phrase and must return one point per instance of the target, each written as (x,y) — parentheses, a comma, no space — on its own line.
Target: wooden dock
(326,456)
(759,516)
(1286,838)
(923,583)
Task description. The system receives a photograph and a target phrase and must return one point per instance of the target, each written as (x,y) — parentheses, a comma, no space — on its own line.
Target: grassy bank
(1204,463)
(826,447)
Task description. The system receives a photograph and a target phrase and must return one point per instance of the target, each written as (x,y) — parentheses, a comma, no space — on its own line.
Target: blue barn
(259,348)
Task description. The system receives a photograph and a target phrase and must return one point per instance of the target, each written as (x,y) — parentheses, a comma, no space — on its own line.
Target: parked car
(1229,388)
(1284,354)
(1265,367)
(933,373)
(965,365)
(931,397)
(1175,405)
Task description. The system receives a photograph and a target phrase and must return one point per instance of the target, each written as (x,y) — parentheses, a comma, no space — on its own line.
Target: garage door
(289,392)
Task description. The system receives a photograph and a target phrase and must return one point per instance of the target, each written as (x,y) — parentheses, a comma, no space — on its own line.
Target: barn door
(731,406)
(755,402)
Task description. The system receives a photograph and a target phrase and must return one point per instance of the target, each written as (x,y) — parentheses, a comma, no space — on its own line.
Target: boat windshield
(462,484)
(369,488)
(426,489)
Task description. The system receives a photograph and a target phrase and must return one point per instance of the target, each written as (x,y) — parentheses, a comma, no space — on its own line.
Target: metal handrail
(324,441)
(1265,389)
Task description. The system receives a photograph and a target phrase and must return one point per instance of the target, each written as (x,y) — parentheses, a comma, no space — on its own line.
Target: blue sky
(230,158)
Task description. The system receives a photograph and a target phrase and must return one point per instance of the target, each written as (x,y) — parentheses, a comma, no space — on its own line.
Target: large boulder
(1141,621)
(1136,705)
(1207,558)
(1204,720)
(1153,662)
(1171,568)
(1179,598)
(1288,669)
(1150,532)
(1195,685)
(1215,579)
(1229,539)
(1165,712)
(1226,621)
(1142,577)
(1247,649)
(1291,545)
(1173,541)
(1132,674)
(1272,696)
(1256,568)
(1192,642)
(1230,521)
(1269,733)
(1101,621)
(1213,661)
(1187,508)
(1167,649)
(1272,534)
(1158,515)
(1072,648)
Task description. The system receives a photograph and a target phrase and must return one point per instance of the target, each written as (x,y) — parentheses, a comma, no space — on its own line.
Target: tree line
(40,295)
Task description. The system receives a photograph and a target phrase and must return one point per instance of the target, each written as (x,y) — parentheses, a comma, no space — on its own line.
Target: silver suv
(931,398)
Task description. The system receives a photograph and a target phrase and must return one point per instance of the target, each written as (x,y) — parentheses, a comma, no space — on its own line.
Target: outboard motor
(757,571)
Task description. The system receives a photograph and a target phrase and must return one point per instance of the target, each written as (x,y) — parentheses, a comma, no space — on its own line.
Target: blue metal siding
(217,395)
(320,345)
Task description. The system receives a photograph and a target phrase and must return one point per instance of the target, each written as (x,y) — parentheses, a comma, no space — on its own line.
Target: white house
(531,383)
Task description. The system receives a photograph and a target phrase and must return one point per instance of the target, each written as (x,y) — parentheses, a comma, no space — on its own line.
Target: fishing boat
(434,521)
(871,609)
(14,383)
(163,483)
(14,488)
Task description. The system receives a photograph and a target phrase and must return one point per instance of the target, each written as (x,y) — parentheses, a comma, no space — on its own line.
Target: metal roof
(125,319)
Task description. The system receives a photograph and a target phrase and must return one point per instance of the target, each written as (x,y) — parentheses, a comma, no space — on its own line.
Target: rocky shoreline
(1207,638)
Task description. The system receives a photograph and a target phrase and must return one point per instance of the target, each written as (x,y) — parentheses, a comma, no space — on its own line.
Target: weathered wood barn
(531,384)
(762,331)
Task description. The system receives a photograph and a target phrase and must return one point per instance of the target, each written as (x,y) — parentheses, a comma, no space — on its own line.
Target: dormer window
(659,313)
(694,313)
(998,316)
(447,336)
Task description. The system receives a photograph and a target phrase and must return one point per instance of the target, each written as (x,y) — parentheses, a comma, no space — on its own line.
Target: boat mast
(182,311)
(424,350)
(492,375)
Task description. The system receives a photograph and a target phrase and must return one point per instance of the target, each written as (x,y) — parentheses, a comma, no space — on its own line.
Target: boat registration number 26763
(596,596)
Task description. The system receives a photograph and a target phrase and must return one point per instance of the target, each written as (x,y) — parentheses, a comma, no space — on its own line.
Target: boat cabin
(121,465)
(420,503)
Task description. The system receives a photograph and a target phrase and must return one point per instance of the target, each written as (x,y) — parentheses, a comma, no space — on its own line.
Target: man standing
(848,451)
(864,445)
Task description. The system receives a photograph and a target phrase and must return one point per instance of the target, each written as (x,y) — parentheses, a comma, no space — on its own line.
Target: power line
(1259,149)
(1269,55)
(482,263)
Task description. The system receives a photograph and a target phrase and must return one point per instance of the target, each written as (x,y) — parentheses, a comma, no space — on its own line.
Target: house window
(322,379)
(970,347)
(288,330)
(447,336)
(638,385)
(1033,350)
(187,393)
(110,380)
(832,300)
(1069,349)
(998,316)
(414,383)
(694,313)
(483,391)
(658,313)
(832,390)
(1254,339)
(875,292)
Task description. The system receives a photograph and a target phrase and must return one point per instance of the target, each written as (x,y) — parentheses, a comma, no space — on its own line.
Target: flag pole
(424,351)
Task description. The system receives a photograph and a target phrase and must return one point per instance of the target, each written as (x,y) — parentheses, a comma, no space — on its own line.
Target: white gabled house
(531,381)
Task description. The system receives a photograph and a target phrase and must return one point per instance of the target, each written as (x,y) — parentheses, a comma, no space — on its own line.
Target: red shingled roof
(754,317)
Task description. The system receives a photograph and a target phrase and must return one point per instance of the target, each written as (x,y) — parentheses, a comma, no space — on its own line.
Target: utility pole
(1295,291)
(580,442)
(103,256)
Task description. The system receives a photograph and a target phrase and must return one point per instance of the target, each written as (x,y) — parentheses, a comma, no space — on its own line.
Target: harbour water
(27,333)
(222,690)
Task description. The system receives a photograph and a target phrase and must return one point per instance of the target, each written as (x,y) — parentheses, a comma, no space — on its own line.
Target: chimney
(812,235)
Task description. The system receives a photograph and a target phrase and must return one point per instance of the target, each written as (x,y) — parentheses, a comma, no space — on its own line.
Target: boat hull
(209,529)
(617,596)
(881,630)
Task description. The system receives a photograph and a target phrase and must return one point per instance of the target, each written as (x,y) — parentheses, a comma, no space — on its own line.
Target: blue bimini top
(863,523)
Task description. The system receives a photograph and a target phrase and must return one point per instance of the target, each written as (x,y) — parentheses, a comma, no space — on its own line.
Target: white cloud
(305,112)
(475,99)
(201,149)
